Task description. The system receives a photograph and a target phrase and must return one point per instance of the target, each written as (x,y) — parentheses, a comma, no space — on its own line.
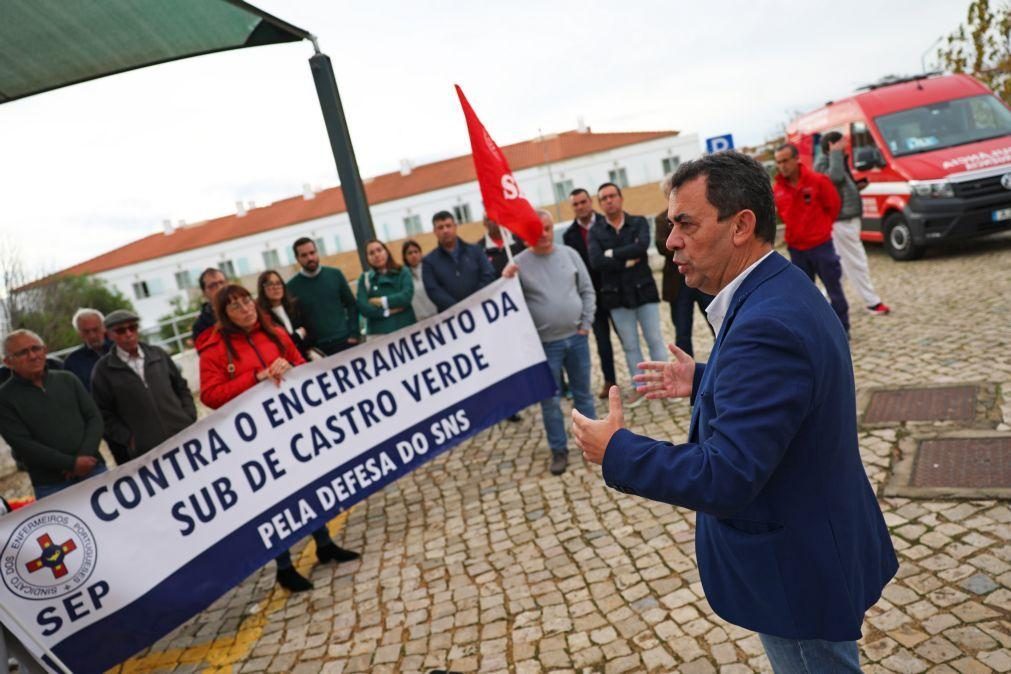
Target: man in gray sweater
(562,302)
(846,230)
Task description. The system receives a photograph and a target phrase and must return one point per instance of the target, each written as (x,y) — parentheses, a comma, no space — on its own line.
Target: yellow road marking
(225,651)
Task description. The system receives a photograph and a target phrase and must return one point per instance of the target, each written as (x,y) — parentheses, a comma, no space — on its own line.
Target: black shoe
(514,418)
(558,463)
(334,553)
(290,579)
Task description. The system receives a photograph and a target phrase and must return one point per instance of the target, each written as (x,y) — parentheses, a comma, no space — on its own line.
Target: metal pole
(551,178)
(343,153)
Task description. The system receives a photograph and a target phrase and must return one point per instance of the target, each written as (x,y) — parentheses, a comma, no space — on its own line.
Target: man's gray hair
(541,212)
(23,332)
(85,311)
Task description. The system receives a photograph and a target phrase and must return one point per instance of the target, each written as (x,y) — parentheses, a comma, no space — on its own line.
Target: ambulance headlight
(933,189)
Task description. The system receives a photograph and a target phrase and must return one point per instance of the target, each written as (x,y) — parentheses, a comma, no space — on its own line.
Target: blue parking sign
(720,143)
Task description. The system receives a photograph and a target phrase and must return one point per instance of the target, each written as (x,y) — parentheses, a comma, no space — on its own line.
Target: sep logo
(48,556)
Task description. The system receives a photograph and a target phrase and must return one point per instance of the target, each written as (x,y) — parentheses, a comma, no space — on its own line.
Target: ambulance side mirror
(867,158)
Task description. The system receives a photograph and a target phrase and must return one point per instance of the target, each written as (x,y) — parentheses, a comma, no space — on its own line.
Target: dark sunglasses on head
(123,329)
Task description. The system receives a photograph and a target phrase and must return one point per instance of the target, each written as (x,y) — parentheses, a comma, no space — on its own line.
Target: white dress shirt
(720,305)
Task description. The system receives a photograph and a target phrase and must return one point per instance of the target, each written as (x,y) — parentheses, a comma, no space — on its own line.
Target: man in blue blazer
(790,540)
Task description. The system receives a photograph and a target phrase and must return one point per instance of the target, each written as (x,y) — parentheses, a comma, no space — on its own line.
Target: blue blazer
(789,536)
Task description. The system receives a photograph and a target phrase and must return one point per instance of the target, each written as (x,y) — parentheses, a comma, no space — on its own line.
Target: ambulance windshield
(944,124)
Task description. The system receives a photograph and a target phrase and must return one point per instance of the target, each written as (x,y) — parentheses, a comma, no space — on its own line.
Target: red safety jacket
(808,209)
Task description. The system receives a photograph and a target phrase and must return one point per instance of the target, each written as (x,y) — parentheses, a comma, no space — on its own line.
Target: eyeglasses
(123,329)
(240,303)
(273,284)
(213,285)
(34,350)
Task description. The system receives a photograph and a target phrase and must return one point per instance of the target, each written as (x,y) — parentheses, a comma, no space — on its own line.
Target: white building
(158,268)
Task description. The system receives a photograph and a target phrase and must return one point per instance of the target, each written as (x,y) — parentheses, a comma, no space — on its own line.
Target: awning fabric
(47,44)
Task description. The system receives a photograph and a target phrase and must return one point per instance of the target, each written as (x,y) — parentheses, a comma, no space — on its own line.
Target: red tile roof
(386,187)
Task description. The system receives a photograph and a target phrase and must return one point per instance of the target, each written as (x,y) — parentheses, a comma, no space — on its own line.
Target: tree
(981,47)
(47,306)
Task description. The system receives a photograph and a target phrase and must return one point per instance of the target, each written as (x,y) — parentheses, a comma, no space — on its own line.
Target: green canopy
(47,44)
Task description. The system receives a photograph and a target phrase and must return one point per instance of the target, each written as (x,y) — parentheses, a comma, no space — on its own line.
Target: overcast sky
(94,166)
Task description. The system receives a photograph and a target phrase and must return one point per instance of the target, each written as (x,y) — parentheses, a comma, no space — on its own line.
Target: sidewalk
(482,561)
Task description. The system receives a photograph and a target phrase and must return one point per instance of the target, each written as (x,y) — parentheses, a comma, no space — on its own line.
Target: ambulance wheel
(899,239)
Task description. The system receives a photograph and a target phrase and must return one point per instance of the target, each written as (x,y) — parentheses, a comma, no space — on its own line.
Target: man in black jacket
(618,249)
(211,281)
(494,244)
(577,237)
(143,398)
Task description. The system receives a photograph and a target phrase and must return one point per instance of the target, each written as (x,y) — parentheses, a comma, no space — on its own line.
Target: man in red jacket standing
(808,203)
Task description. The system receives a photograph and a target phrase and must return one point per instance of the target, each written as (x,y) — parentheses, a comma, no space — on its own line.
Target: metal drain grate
(951,403)
(971,463)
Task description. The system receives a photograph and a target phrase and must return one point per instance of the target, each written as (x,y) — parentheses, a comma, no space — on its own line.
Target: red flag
(499,190)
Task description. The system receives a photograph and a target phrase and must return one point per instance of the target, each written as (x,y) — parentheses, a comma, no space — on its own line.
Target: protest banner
(103,569)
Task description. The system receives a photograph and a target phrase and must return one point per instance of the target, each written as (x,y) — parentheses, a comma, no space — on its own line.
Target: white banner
(99,571)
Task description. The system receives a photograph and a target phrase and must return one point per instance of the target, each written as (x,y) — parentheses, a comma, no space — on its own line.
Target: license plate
(1003,214)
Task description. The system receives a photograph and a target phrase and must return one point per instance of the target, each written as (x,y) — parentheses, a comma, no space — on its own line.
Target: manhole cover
(952,403)
(974,463)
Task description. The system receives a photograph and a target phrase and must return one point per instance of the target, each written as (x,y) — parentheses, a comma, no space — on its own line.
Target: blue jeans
(682,314)
(625,322)
(811,656)
(44,490)
(823,261)
(572,353)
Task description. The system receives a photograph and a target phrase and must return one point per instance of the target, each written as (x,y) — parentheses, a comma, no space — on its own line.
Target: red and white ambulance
(935,152)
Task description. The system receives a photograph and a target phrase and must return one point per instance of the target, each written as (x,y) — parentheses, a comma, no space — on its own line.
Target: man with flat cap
(142,395)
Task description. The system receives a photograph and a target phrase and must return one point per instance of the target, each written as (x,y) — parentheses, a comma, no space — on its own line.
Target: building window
(412,225)
(227,268)
(184,280)
(337,242)
(291,255)
(670,164)
(140,290)
(462,213)
(320,246)
(243,265)
(618,176)
(562,189)
(271,260)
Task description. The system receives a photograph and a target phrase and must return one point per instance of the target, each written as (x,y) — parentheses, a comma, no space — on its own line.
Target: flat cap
(120,316)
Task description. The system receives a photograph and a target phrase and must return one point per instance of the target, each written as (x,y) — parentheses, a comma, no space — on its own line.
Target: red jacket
(808,209)
(253,352)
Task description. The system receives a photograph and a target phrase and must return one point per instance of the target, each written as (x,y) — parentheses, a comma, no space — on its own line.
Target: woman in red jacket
(244,349)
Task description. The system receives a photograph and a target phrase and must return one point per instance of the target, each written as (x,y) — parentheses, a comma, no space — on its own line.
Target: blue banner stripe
(228,562)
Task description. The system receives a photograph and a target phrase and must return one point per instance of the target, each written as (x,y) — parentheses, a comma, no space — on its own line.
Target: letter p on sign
(720,143)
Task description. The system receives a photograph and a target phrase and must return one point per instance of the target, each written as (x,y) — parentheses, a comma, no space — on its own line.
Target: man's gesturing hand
(667,380)
(592,436)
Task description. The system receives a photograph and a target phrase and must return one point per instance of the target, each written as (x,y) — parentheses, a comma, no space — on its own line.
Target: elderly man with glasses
(51,424)
(142,395)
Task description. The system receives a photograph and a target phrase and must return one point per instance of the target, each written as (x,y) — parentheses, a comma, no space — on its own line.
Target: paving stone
(938,649)
(905,662)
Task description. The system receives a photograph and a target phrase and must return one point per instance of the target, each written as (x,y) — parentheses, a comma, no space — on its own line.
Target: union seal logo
(49,555)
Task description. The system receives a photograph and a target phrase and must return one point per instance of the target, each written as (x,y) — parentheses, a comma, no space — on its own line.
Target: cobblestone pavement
(482,561)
